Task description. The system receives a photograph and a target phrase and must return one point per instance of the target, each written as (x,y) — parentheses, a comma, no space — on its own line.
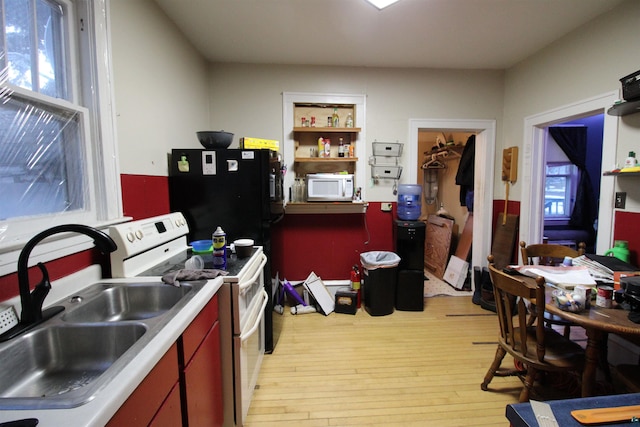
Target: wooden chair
(550,254)
(536,347)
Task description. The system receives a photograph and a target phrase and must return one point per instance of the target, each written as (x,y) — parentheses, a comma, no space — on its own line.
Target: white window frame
(570,192)
(89,36)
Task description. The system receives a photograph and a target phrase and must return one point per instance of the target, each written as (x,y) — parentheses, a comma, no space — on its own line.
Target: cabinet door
(170,413)
(198,329)
(140,408)
(203,383)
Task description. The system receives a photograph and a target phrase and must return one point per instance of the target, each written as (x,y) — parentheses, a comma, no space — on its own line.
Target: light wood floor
(404,369)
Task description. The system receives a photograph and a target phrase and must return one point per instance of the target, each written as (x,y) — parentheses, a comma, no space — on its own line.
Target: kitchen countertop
(99,411)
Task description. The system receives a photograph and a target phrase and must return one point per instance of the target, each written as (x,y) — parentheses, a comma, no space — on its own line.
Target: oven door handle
(244,286)
(258,317)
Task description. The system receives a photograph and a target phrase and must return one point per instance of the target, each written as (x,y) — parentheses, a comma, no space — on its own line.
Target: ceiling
(459,34)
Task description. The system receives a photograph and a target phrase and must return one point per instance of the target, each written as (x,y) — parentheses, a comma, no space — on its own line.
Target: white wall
(586,63)
(160,87)
(247,99)
(160,101)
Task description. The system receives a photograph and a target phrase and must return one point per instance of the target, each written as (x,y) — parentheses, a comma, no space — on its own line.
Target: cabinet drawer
(195,333)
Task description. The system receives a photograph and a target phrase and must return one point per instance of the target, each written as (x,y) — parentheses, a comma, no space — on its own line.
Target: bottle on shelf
(349,122)
(320,147)
(335,119)
(327,147)
(631,161)
(341,148)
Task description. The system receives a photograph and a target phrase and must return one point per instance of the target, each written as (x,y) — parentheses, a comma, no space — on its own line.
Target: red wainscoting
(328,244)
(626,228)
(145,196)
(57,269)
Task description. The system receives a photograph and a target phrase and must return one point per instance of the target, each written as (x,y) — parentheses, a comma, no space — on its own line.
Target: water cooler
(409,244)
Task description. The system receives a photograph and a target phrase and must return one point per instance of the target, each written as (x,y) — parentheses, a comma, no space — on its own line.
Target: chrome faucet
(31,302)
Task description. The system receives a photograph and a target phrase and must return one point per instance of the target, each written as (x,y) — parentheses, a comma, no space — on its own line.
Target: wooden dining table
(597,322)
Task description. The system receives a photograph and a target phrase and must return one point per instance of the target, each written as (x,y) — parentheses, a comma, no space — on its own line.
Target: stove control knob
(139,234)
(130,237)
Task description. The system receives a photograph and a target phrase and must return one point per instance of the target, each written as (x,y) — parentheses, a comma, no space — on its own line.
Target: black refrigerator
(239,190)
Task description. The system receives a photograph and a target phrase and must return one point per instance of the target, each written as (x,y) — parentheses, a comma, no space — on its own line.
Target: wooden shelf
(624,108)
(325,159)
(325,129)
(326,208)
(621,174)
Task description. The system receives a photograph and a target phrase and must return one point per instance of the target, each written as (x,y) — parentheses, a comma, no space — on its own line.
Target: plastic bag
(379,259)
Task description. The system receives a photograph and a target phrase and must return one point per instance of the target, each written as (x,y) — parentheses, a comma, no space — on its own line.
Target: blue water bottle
(219,249)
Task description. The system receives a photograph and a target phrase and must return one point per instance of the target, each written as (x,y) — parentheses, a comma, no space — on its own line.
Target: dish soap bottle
(219,249)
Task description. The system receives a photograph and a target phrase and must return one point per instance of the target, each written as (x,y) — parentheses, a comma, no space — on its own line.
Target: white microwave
(329,187)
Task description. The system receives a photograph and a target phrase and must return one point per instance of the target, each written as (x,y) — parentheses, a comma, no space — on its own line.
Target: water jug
(409,201)
(619,250)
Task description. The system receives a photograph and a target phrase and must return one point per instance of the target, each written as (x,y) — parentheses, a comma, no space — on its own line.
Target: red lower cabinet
(170,413)
(203,383)
(185,386)
(148,398)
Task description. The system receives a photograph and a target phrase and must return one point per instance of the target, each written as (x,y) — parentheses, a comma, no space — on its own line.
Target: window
(559,189)
(56,121)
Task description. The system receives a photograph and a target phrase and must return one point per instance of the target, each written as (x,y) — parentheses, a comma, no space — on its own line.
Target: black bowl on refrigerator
(215,140)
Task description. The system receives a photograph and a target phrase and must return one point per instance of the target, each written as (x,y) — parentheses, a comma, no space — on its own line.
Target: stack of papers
(565,277)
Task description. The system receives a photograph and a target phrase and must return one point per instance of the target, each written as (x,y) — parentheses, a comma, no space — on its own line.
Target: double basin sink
(67,360)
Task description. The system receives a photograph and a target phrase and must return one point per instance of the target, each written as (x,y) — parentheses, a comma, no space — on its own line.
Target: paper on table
(559,275)
(544,414)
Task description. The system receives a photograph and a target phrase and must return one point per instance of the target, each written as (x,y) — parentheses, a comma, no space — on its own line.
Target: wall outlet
(386,207)
(621,199)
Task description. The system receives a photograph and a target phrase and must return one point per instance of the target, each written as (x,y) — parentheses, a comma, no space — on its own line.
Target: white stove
(153,247)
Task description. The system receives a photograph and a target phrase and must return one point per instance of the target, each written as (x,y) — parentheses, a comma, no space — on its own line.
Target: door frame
(533,166)
(485,131)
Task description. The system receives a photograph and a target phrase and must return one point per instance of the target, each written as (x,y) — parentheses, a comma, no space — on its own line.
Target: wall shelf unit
(612,173)
(326,207)
(326,160)
(325,130)
(624,108)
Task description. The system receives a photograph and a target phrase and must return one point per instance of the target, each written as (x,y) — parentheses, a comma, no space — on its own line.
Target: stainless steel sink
(53,361)
(132,302)
(66,361)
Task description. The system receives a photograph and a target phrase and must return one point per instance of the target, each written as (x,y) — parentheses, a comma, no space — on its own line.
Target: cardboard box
(346,301)
(258,143)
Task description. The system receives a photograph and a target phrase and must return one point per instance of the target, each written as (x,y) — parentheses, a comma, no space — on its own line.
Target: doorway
(485,131)
(533,167)
(572,192)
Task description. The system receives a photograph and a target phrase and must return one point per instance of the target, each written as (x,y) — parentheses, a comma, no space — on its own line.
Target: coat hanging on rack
(464,177)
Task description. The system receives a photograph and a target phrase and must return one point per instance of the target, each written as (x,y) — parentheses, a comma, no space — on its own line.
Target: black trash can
(379,281)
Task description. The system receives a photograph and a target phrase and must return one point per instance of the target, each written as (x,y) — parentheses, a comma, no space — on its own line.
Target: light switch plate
(621,200)
(386,207)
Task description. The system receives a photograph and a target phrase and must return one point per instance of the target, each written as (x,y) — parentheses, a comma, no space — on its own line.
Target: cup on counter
(194,263)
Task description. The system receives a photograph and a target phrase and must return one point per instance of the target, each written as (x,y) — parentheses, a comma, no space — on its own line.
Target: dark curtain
(573,142)
(466,172)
